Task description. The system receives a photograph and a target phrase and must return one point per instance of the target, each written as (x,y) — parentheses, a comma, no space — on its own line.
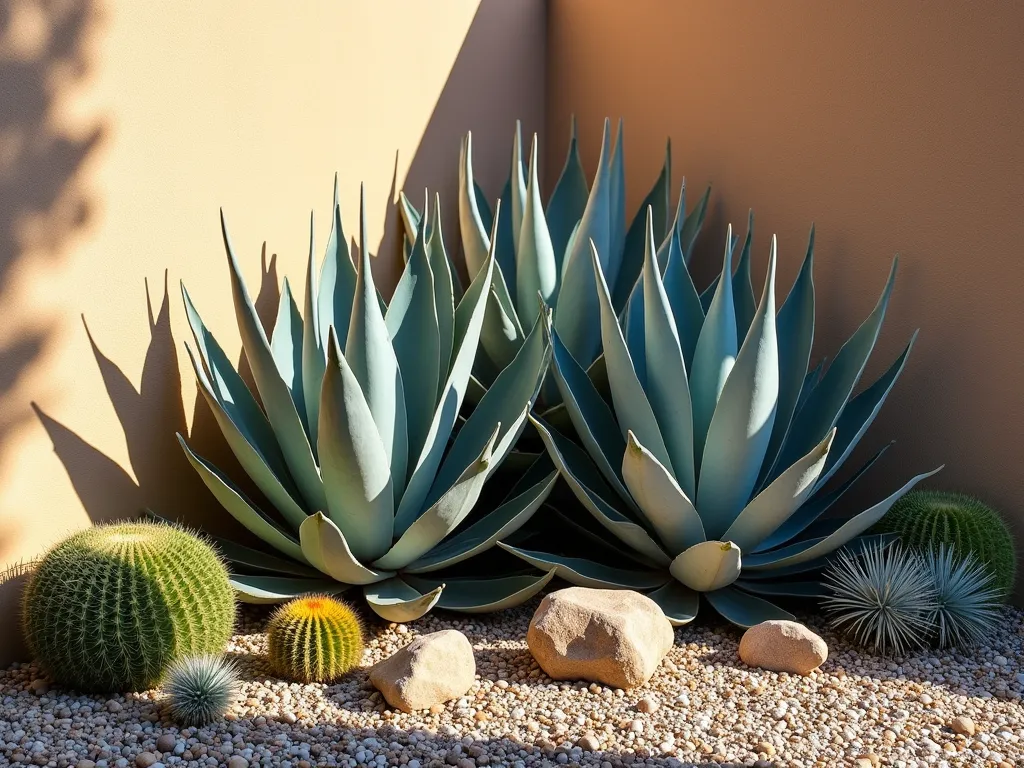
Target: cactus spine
(314,639)
(110,607)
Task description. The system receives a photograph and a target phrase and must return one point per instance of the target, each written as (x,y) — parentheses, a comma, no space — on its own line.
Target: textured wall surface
(895,127)
(125,126)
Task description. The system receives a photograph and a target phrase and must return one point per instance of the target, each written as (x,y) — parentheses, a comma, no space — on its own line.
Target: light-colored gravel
(702,707)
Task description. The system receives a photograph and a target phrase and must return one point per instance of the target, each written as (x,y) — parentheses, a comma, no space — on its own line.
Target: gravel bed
(703,707)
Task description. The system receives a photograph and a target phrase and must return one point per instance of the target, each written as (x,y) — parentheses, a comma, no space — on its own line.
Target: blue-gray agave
(708,465)
(546,250)
(357,445)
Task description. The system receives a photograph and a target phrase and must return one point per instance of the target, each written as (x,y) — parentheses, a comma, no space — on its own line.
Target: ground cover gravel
(703,707)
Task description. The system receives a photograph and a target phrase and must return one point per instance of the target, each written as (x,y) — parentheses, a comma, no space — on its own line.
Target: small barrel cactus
(200,688)
(927,520)
(314,639)
(110,607)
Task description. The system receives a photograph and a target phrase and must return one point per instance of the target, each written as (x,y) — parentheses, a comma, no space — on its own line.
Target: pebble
(710,709)
(962,725)
(648,704)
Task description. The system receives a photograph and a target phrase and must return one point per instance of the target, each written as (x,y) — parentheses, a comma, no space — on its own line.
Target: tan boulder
(610,636)
(430,670)
(782,646)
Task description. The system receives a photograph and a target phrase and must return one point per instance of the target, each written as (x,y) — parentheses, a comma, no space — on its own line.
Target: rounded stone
(145,760)
(782,646)
(963,725)
(166,742)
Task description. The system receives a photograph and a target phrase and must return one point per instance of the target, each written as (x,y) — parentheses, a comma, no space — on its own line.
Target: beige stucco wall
(125,126)
(895,127)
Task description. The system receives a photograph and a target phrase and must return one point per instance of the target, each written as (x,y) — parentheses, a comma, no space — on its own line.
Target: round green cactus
(314,639)
(110,607)
(925,520)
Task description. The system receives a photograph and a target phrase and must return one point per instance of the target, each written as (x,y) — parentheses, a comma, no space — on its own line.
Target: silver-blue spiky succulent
(200,689)
(705,444)
(545,248)
(359,440)
(968,601)
(882,597)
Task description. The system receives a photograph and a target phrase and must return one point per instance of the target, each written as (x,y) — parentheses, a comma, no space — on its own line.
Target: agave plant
(545,249)
(357,442)
(707,465)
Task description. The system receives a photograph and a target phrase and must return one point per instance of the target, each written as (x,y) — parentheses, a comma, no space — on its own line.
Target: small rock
(85,764)
(39,687)
(237,761)
(589,743)
(766,748)
(782,646)
(637,726)
(114,706)
(435,709)
(289,717)
(145,760)
(166,742)
(648,704)
(872,759)
(432,669)
(963,725)
(925,699)
(862,762)
(614,637)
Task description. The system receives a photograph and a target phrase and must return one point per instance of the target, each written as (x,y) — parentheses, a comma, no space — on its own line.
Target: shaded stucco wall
(894,127)
(125,126)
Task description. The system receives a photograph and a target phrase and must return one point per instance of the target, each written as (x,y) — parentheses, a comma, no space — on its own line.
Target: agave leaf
(631,404)
(587,484)
(277,399)
(657,201)
(327,550)
(813,548)
(485,595)
(354,462)
(502,335)
(518,198)
(568,201)
(858,414)
(743,609)
(814,508)
(660,498)
(314,357)
(475,241)
(469,320)
(816,564)
(617,210)
(683,300)
(587,573)
(412,322)
(338,280)
(506,402)
(795,331)
(258,560)
(824,404)
(776,504)
(798,589)
(589,414)
(742,286)
(714,355)
(230,391)
(576,319)
(679,603)
(286,348)
(707,566)
(276,487)
(394,600)
(536,268)
(486,532)
(742,422)
(410,217)
(693,222)
(667,385)
(371,356)
(279,589)
(444,515)
(240,508)
(444,294)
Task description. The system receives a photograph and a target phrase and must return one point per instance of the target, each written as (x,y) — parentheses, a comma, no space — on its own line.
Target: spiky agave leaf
(968,598)
(200,689)
(883,598)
